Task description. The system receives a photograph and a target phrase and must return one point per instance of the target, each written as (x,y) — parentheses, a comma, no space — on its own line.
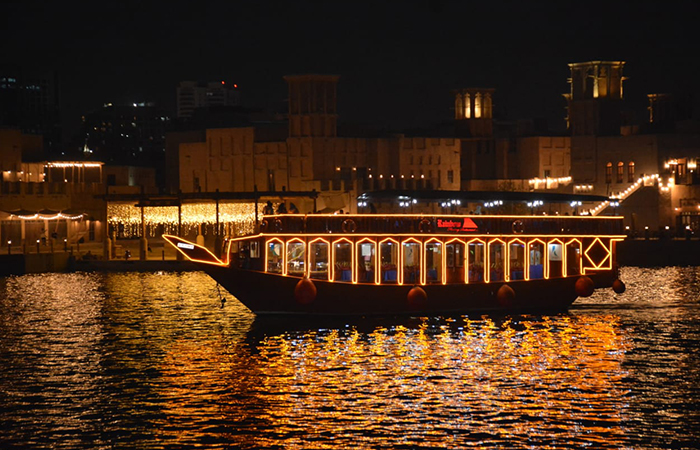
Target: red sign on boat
(463,224)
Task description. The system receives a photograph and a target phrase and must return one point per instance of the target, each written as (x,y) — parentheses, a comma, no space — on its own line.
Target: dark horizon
(397,62)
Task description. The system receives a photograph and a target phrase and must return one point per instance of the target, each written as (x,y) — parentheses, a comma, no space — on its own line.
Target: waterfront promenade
(90,257)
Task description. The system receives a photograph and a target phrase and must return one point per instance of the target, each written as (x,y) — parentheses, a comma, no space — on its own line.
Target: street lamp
(614,205)
(9,247)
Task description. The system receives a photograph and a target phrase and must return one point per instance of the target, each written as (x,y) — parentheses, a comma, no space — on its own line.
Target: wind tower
(312,105)
(594,109)
(474,112)
(595,98)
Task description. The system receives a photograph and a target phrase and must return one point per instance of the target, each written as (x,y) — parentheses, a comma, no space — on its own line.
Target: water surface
(138,360)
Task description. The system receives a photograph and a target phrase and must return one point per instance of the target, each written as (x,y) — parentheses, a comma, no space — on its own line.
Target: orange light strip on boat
(586,262)
(507,261)
(483,249)
(465,252)
(285,269)
(543,257)
(429,216)
(358,245)
(548,268)
(443,235)
(395,255)
(402,257)
(580,258)
(424,273)
(335,256)
(494,242)
(328,256)
(267,252)
(215,261)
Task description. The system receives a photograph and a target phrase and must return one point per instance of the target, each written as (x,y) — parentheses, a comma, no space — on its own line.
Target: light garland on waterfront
(643,181)
(39,216)
(548,182)
(236,218)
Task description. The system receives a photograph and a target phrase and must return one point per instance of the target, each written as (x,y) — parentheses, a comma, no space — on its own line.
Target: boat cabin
(420,249)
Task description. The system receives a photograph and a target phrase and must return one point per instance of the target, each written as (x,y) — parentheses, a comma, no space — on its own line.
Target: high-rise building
(126,134)
(29,101)
(192,95)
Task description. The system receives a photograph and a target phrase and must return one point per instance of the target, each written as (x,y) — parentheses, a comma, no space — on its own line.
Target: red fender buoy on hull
(618,286)
(505,296)
(417,297)
(584,287)
(305,291)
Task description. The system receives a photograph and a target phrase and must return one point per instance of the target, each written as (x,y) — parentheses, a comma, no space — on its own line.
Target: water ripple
(154,361)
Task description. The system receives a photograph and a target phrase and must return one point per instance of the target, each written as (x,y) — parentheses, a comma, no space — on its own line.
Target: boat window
(342,259)
(318,260)
(274,256)
(295,258)
(496,261)
(516,256)
(573,258)
(389,254)
(411,262)
(454,253)
(366,258)
(554,259)
(433,262)
(536,260)
(476,262)
(255,249)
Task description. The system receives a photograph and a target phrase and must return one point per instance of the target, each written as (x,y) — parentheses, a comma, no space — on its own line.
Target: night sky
(398,60)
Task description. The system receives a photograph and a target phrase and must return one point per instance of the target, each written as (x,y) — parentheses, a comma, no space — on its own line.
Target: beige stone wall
(436,159)
(541,156)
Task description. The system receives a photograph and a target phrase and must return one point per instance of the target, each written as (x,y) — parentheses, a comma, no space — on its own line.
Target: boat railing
(439,224)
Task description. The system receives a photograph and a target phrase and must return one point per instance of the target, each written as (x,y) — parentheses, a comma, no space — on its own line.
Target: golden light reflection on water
(152,360)
(531,379)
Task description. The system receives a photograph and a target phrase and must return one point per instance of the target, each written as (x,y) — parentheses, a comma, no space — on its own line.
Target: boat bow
(193,252)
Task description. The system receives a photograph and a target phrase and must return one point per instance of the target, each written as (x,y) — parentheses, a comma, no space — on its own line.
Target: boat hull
(273,294)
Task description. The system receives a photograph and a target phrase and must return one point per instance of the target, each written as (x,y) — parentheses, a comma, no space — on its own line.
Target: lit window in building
(608,173)
(630,172)
(467,106)
(477,106)
(620,172)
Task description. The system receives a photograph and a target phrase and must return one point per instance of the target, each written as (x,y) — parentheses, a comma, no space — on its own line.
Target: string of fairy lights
(236,219)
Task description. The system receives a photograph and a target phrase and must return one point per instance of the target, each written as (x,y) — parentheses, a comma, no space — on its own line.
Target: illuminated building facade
(49,202)
(312,157)
(649,168)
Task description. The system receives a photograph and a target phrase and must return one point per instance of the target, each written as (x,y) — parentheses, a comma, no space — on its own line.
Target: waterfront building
(648,167)
(312,156)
